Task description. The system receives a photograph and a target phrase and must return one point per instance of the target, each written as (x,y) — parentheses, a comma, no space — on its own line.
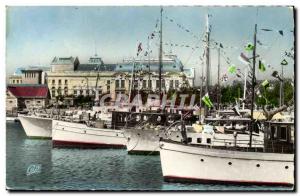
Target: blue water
(87,169)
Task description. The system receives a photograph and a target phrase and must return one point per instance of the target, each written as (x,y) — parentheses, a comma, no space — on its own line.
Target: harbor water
(33,164)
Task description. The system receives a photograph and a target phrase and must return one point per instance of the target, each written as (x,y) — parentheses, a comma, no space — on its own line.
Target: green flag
(207,100)
(284,62)
(261,66)
(249,47)
(265,84)
(232,69)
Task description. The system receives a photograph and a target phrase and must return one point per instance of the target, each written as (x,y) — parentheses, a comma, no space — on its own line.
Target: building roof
(63,60)
(29,91)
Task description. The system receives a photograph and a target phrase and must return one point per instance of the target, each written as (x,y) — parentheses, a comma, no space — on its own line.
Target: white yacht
(271,165)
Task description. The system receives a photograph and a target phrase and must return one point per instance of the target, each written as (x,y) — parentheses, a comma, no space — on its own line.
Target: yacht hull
(186,163)
(70,134)
(36,127)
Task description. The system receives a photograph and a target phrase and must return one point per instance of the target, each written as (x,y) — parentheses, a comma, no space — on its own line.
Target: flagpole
(219,93)
(160,51)
(149,64)
(207,59)
(245,86)
(253,85)
(202,65)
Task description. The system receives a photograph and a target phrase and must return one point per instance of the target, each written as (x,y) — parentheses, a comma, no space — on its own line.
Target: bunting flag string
(284,62)
(182,27)
(232,69)
(280,31)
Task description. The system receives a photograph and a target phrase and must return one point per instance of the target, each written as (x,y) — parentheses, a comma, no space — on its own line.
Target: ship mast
(207,59)
(253,85)
(219,90)
(160,51)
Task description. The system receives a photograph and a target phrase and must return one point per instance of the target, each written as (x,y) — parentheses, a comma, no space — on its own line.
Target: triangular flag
(280,32)
(261,66)
(284,62)
(244,59)
(207,100)
(139,49)
(249,47)
(265,84)
(232,69)
(267,29)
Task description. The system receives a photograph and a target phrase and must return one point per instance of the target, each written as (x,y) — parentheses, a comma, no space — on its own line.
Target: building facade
(27,96)
(15,79)
(97,79)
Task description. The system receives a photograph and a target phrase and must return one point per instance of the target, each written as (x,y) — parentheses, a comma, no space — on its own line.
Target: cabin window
(59,82)
(208,140)
(27,101)
(38,101)
(53,81)
(199,140)
(10,101)
(66,81)
(282,133)
(189,139)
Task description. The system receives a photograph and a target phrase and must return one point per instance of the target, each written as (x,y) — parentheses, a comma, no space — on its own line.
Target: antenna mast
(160,50)
(253,85)
(207,58)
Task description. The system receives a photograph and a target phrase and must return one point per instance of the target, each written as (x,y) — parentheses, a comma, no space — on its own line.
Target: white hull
(185,163)
(70,134)
(36,127)
(143,141)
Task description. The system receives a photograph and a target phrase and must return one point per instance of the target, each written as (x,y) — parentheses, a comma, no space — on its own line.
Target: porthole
(177,136)
(229,163)
(202,160)
(286,167)
(117,135)
(138,134)
(257,165)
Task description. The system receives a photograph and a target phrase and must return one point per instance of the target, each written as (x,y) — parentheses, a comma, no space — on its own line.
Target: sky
(35,35)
